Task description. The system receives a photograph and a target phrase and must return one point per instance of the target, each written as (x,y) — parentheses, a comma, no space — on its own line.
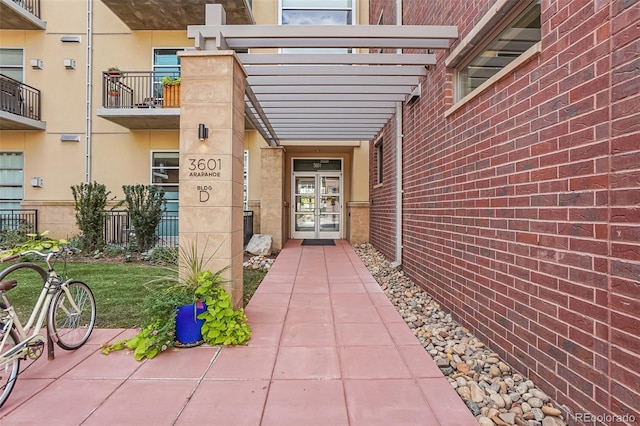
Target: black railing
(118,229)
(140,89)
(248,226)
(31,6)
(21,221)
(19,98)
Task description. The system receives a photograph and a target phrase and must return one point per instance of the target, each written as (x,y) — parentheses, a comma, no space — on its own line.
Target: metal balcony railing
(140,89)
(19,98)
(31,6)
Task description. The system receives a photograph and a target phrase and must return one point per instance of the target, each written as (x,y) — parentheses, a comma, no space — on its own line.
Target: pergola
(338,96)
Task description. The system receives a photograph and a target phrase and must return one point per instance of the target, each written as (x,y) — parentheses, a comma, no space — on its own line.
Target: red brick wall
(522,208)
(382,196)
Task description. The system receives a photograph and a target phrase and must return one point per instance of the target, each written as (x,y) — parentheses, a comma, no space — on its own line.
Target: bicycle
(70,310)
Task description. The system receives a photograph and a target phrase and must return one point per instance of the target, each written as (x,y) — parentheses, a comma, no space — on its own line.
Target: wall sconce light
(66,137)
(37,64)
(70,64)
(70,39)
(203,132)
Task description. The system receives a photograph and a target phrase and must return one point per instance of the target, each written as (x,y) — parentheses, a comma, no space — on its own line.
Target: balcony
(19,106)
(175,15)
(138,100)
(21,15)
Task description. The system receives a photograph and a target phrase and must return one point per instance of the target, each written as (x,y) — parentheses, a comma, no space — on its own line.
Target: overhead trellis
(336,96)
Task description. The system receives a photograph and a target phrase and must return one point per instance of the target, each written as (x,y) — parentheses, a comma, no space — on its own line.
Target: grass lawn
(119,289)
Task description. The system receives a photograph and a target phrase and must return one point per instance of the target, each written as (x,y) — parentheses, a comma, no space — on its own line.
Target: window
(317,12)
(11,179)
(513,39)
(379,162)
(12,63)
(165,173)
(166,63)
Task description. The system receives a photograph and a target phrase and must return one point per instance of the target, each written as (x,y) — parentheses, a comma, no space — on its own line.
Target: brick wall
(382,215)
(522,208)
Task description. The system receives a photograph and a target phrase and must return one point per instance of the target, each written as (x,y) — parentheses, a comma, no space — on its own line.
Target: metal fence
(119,231)
(20,221)
(248,225)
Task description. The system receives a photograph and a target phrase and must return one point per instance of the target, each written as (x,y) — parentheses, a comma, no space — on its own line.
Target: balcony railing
(31,6)
(139,89)
(19,98)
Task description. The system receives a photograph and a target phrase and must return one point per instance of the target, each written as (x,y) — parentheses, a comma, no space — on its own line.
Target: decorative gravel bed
(493,392)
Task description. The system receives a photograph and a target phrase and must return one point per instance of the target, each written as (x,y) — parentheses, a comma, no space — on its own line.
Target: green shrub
(145,204)
(15,236)
(90,201)
(164,255)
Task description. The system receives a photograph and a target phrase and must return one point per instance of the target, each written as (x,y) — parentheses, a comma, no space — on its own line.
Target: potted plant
(171,91)
(205,304)
(114,73)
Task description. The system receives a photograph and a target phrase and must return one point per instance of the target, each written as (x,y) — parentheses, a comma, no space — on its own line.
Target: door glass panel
(305,222)
(305,203)
(306,185)
(329,223)
(329,185)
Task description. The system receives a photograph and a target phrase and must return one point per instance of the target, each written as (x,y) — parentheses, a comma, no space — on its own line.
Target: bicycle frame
(9,317)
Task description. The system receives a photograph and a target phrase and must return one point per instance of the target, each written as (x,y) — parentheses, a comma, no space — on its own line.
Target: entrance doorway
(317,199)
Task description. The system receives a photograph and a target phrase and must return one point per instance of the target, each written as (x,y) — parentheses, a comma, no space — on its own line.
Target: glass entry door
(317,205)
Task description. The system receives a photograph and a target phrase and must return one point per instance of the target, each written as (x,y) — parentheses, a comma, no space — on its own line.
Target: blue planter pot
(188,327)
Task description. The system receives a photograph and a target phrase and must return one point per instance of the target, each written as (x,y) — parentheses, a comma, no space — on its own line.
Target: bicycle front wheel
(72,315)
(9,370)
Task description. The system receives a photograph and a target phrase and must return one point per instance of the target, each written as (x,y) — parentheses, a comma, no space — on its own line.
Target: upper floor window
(317,12)
(166,63)
(12,63)
(513,38)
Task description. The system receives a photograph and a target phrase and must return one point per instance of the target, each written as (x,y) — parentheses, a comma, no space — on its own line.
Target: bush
(15,236)
(145,204)
(90,203)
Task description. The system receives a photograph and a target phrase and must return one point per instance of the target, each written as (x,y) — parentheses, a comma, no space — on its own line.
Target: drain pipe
(88,120)
(399,142)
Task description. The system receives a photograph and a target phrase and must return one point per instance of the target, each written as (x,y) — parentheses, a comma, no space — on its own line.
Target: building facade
(519,168)
(505,183)
(98,110)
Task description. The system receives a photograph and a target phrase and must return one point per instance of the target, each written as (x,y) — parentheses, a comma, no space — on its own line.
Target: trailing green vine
(222,324)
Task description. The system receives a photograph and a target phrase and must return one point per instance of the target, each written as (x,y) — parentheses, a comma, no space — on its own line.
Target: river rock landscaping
(493,392)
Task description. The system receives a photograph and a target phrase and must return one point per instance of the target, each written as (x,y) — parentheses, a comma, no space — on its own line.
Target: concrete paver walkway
(328,348)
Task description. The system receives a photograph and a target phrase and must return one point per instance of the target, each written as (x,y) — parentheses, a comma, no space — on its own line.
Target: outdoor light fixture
(70,39)
(65,137)
(37,64)
(203,132)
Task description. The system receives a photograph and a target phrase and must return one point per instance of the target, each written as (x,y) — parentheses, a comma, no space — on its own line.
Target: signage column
(211,170)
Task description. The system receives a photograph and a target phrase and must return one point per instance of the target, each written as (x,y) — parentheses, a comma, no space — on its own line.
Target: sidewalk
(328,348)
